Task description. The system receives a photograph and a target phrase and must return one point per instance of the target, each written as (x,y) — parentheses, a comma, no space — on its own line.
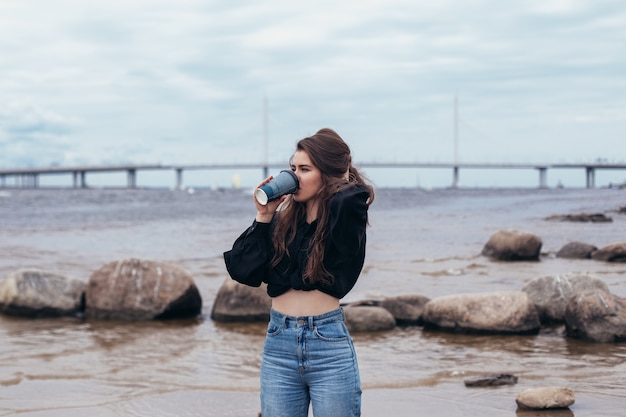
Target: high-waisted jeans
(309,360)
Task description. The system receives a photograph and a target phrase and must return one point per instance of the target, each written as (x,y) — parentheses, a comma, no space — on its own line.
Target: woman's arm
(248,260)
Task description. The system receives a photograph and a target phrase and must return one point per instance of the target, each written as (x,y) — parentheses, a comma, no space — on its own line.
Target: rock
(368,319)
(615,252)
(406,309)
(545,398)
(237,302)
(37,293)
(558,412)
(363,303)
(490,380)
(505,312)
(581,218)
(513,245)
(136,289)
(576,250)
(551,293)
(596,316)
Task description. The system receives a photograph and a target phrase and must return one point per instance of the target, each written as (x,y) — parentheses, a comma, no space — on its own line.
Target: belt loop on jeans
(310,321)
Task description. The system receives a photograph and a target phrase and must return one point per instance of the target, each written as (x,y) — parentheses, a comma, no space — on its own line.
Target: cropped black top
(249,261)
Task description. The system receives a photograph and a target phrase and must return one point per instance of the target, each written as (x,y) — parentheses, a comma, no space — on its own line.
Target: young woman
(309,248)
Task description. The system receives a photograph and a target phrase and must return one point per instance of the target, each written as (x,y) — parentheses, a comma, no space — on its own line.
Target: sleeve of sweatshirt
(247,262)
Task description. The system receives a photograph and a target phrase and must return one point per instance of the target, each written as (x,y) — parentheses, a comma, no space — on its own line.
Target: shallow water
(420,242)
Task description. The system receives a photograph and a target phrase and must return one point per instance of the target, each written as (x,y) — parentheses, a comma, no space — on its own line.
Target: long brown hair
(331,155)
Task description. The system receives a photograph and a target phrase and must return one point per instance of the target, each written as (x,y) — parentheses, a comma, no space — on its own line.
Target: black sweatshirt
(249,260)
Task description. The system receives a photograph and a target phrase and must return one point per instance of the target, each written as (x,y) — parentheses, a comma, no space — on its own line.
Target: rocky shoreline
(138,289)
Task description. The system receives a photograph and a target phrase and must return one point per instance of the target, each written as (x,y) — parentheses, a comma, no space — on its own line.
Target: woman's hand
(266,212)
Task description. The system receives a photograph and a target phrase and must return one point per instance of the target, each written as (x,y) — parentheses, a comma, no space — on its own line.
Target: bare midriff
(304,303)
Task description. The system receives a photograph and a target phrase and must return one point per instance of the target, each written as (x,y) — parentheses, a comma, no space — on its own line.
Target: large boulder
(136,289)
(237,302)
(615,252)
(368,319)
(545,398)
(37,293)
(576,250)
(406,309)
(504,312)
(513,245)
(551,293)
(596,316)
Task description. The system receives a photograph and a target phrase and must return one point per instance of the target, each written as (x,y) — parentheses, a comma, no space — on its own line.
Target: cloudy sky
(192,81)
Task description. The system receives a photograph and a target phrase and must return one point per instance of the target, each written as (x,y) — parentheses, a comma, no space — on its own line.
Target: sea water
(424,242)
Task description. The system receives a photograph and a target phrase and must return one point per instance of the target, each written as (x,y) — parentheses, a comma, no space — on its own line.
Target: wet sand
(456,401)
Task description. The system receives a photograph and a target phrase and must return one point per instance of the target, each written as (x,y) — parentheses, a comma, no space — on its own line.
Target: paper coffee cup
(286,182)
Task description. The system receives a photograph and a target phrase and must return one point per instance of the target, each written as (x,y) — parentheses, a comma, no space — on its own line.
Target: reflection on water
(131,361)
(420,357)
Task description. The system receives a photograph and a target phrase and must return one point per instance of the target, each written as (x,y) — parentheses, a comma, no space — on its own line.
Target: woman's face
(309,176)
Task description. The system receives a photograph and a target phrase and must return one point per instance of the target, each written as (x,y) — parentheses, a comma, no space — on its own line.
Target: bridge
(29,177)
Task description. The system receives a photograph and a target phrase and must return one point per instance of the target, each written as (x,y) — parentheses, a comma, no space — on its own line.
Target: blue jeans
(309,360)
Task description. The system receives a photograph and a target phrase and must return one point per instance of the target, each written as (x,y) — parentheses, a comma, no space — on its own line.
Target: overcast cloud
(184,81)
